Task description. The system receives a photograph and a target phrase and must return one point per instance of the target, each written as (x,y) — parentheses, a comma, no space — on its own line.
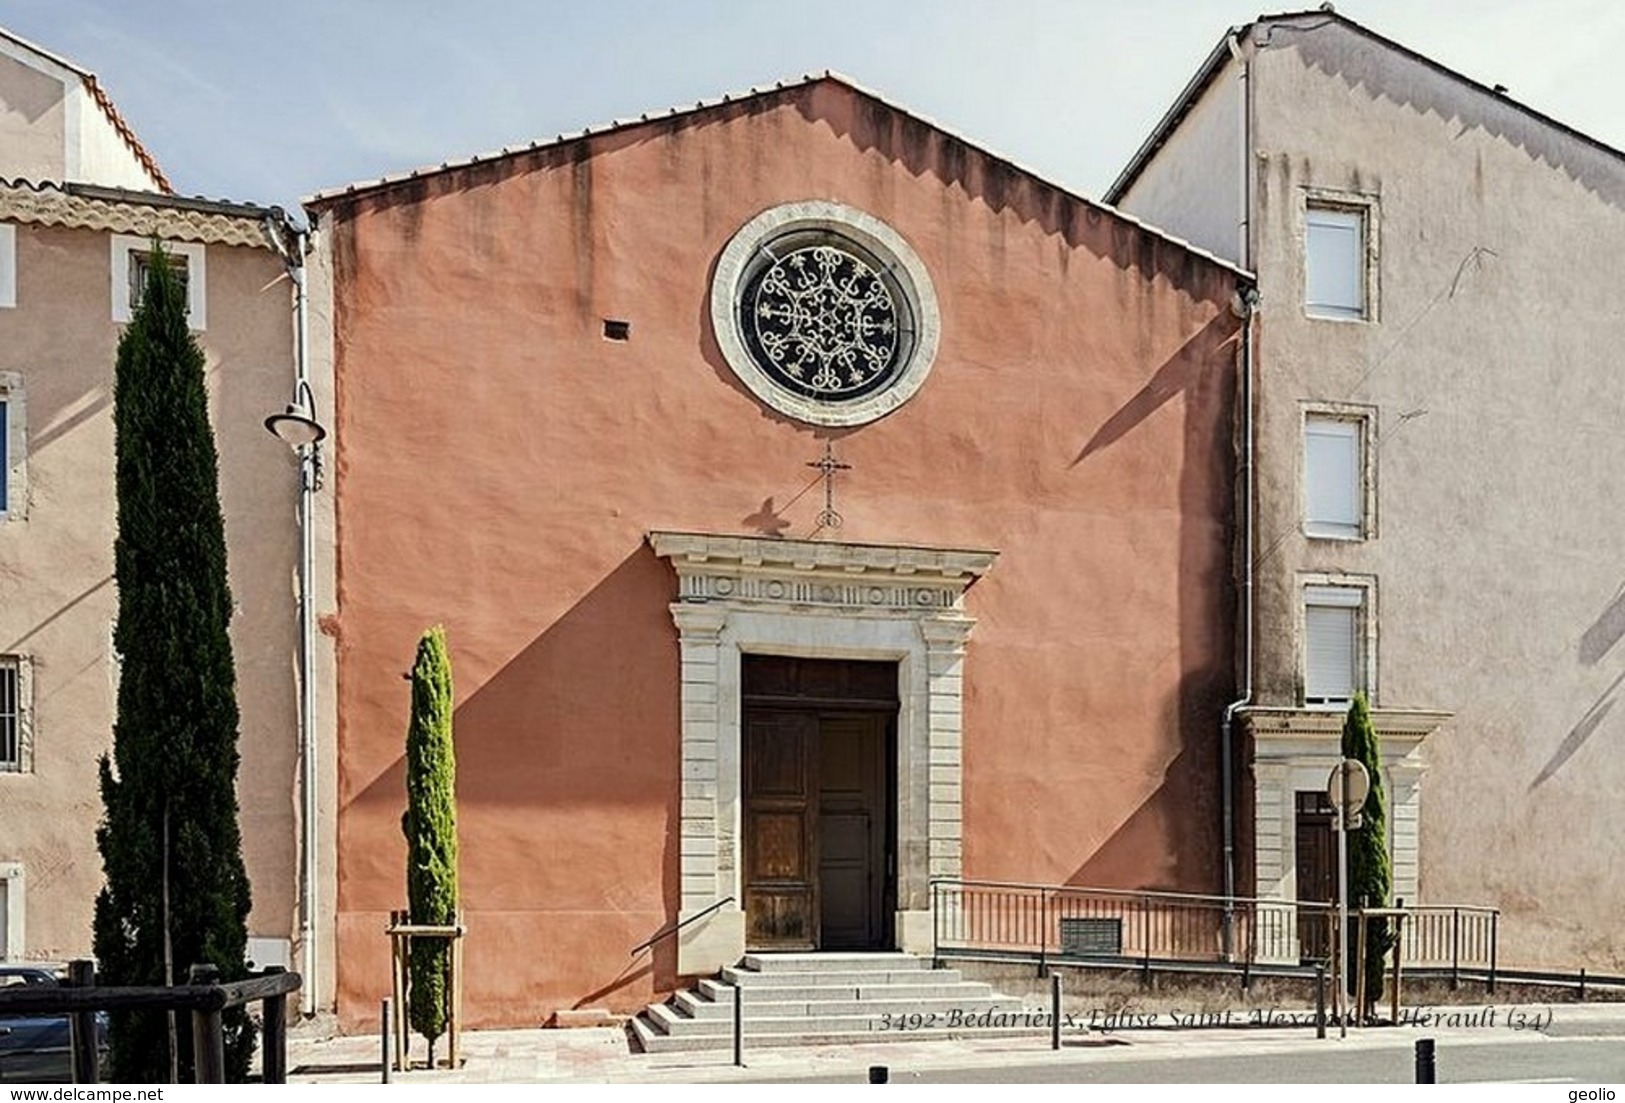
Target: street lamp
(297,425)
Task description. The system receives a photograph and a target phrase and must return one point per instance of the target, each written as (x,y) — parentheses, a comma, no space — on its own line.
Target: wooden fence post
(274,1063)
(208,1033)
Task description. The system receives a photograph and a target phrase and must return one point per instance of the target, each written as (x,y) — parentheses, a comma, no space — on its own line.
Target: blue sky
(242,99)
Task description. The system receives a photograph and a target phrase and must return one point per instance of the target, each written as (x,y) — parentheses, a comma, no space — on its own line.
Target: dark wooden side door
(852,851)
(1317,871)
(781,808)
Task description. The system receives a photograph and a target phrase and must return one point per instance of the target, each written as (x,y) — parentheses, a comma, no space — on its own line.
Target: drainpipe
(1244,251)
(1247,301)
(1247,307)
(309,483)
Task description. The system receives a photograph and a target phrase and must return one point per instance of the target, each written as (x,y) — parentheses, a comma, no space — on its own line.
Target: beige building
(80,201)
(1438,457)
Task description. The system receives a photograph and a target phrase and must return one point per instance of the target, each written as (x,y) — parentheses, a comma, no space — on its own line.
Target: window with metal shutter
(1334,263)
(1331,645)
(1333,479)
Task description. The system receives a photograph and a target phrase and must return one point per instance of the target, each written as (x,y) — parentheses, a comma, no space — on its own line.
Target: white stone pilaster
(699,629)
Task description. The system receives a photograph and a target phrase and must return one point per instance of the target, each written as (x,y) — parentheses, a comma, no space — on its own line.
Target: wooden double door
(819,820)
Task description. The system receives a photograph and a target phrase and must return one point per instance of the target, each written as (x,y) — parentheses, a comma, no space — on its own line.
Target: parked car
(36,1049)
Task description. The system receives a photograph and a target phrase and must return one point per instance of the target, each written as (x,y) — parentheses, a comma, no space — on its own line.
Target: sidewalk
(602,1055)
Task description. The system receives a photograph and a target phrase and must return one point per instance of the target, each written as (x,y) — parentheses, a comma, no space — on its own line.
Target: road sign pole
(1346,788)
(1343,919)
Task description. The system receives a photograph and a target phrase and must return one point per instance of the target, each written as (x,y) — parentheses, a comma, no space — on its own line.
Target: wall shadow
(1382,75)
(576,729)
(1184,371)
(1605,631)
(1178,828)
(1580,733)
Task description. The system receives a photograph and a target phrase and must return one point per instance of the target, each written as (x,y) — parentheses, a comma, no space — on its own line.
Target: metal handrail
(679,925)
(1020,918)
(1143,894)
(1130,894)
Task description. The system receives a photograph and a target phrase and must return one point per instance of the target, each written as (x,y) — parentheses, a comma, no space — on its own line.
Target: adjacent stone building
(80,203)
(1437,455)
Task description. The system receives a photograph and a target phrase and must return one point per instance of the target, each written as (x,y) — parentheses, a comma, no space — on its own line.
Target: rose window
(821,322)
(824,313)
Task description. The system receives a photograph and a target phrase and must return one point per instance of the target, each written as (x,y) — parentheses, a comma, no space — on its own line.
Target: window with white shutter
(1334,262)
(13,448)
(8,265)
(1333,644)
(1334,477)
(5,453)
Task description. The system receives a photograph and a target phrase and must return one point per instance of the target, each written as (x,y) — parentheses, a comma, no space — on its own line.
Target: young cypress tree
(176,892)
(430,825)
(1371,878)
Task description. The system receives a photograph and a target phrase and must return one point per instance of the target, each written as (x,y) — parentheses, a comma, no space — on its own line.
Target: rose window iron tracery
(822,322)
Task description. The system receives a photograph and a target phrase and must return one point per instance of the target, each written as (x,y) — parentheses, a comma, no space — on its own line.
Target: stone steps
(814,999)
(758,982)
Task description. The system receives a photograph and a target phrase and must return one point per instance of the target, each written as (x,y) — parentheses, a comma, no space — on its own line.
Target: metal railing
(672,928)
(1060,923)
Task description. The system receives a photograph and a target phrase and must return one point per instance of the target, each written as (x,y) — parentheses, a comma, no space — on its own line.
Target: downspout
(309,480)
(1244,99)
(1248,303)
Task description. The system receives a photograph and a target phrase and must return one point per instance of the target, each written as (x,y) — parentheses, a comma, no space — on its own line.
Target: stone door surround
(741,595)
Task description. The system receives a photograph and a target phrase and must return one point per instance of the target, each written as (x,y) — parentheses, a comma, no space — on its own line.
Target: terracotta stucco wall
(500,463)
(57,597)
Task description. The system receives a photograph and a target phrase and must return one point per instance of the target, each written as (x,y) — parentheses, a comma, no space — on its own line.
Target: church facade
(819,506)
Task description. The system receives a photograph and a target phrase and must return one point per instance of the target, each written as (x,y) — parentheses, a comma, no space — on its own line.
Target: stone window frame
(1366,585)
(1367,205)
(14,408)
(125,248)
(1366,417)
(11,873)
(873,236)
(752,595)
(22,668)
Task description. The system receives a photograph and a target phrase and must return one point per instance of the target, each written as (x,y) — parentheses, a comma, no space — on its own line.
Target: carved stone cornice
(759,571)
(1297,733)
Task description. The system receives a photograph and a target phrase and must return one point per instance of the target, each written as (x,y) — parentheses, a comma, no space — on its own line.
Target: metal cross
(827,465)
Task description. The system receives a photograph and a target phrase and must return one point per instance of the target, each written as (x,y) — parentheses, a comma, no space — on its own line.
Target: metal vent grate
(1092,937)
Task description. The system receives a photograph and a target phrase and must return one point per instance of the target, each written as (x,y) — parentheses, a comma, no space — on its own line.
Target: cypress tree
(176,890)
(430,825)
(1370,874)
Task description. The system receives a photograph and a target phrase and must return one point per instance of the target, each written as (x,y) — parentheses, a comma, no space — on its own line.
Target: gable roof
(330,195)
(103,101)
(1219,58)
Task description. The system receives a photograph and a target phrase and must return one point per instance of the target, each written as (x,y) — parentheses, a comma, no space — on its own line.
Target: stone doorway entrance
(819,795)
(741,597)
